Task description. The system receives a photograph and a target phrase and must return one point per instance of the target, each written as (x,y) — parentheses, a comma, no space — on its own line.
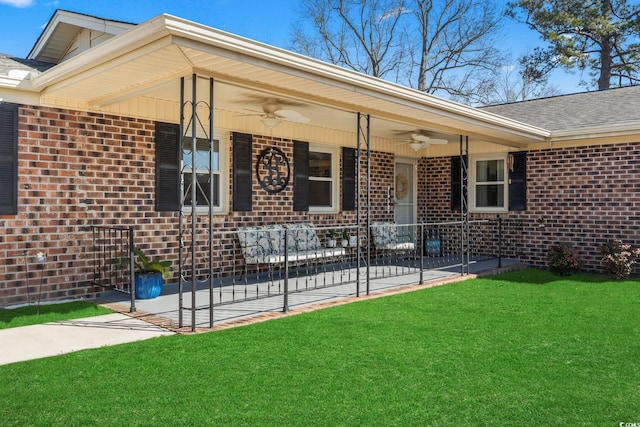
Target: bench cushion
(302,237)
(255,242)
(384,233)
(264,244)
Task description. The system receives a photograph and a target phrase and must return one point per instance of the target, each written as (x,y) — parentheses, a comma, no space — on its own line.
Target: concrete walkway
(51,339)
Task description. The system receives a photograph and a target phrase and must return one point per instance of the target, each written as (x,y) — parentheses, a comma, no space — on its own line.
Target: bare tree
(436,46)
(515,83)
(361,35)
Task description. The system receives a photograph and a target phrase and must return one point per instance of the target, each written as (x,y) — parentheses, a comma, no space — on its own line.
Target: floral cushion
(384,233)
(303,237)
(276,237)
(254,241)
(262,243)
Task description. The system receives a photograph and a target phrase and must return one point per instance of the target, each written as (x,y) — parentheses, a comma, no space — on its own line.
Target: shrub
(619,259)
(563,259)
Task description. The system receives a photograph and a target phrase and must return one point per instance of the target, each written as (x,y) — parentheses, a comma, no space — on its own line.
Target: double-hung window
(204,181)
(489,180)
(323,178)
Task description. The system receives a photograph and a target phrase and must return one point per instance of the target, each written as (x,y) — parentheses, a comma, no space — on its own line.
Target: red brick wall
(79,169)
(583,195)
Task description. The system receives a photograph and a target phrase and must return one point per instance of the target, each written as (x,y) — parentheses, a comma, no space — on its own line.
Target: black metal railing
(113,260)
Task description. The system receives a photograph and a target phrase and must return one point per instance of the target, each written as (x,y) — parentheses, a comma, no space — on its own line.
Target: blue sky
(22,21)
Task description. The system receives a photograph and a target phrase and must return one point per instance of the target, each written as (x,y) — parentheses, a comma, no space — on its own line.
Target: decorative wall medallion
(272,170)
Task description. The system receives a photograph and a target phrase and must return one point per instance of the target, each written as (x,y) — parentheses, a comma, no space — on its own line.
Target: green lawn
(524,348)
(28,315)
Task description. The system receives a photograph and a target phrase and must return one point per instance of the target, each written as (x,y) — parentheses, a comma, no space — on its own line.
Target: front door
(405,195)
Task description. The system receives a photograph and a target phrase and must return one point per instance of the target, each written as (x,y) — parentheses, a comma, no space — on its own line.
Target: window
(203,182)
(497,182)
(323,171)
(490,184)
(172,179)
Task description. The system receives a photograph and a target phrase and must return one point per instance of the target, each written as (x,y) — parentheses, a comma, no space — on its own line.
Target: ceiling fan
(419,141)
(273,114)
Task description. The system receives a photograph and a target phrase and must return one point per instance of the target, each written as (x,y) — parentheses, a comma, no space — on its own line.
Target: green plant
(619,259)
(345,234)
(332,234)
(563,259)
(145,265)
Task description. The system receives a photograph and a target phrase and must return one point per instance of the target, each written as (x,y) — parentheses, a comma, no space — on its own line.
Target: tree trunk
(605,66)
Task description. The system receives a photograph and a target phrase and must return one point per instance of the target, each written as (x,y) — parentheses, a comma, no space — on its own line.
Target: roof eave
(167,29)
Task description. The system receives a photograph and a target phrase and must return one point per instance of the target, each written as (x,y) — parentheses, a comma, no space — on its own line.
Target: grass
(524,348)
(28,315)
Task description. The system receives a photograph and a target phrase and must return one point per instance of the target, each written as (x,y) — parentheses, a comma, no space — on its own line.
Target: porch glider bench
(264,244)
(386,237)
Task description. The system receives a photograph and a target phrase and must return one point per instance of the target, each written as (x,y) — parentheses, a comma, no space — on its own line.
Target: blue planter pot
(148,285)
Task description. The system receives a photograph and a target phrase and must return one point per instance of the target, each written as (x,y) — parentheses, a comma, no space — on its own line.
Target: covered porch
(245,134)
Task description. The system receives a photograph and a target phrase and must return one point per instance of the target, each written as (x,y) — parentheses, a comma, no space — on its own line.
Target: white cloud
(18,3)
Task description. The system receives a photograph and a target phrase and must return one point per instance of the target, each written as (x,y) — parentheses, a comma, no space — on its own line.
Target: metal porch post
(464,208)
(192,125)
(360,130)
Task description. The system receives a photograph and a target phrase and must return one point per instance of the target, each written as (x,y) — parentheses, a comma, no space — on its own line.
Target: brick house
(91,124)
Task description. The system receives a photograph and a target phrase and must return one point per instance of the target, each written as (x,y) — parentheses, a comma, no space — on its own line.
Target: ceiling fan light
(415,146)
(270,122)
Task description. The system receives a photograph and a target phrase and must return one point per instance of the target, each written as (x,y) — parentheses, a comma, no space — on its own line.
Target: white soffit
(165,47)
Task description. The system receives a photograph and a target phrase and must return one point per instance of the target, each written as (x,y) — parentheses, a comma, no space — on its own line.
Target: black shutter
(348,179)
(167,137)
(8,159)
(242,188)
(456,182)
(300,176)
(518,181)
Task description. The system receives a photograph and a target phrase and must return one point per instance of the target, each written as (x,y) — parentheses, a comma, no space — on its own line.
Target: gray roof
(8,63)
(575,111)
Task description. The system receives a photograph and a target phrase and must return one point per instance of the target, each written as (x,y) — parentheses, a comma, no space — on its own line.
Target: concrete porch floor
(164,310)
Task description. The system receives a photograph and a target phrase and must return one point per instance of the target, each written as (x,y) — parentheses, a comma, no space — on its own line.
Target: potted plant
(331,236)
(345,238)
(149,275)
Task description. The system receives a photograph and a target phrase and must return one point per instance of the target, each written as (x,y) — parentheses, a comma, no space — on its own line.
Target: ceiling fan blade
(437,141)
(292,116)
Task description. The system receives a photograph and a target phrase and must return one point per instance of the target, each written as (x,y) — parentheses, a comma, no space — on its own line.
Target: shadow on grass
(534,276)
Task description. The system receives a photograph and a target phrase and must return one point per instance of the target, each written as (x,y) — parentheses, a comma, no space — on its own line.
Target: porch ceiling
(147,61)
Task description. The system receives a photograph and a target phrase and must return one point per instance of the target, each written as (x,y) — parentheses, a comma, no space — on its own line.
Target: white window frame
(222,137)
(473,184)
(335,175)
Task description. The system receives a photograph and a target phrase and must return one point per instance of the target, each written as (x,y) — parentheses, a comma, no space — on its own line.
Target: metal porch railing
(113,260)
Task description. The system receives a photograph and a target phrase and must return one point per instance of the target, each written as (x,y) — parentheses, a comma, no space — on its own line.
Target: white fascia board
(19,96)
(604,131)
